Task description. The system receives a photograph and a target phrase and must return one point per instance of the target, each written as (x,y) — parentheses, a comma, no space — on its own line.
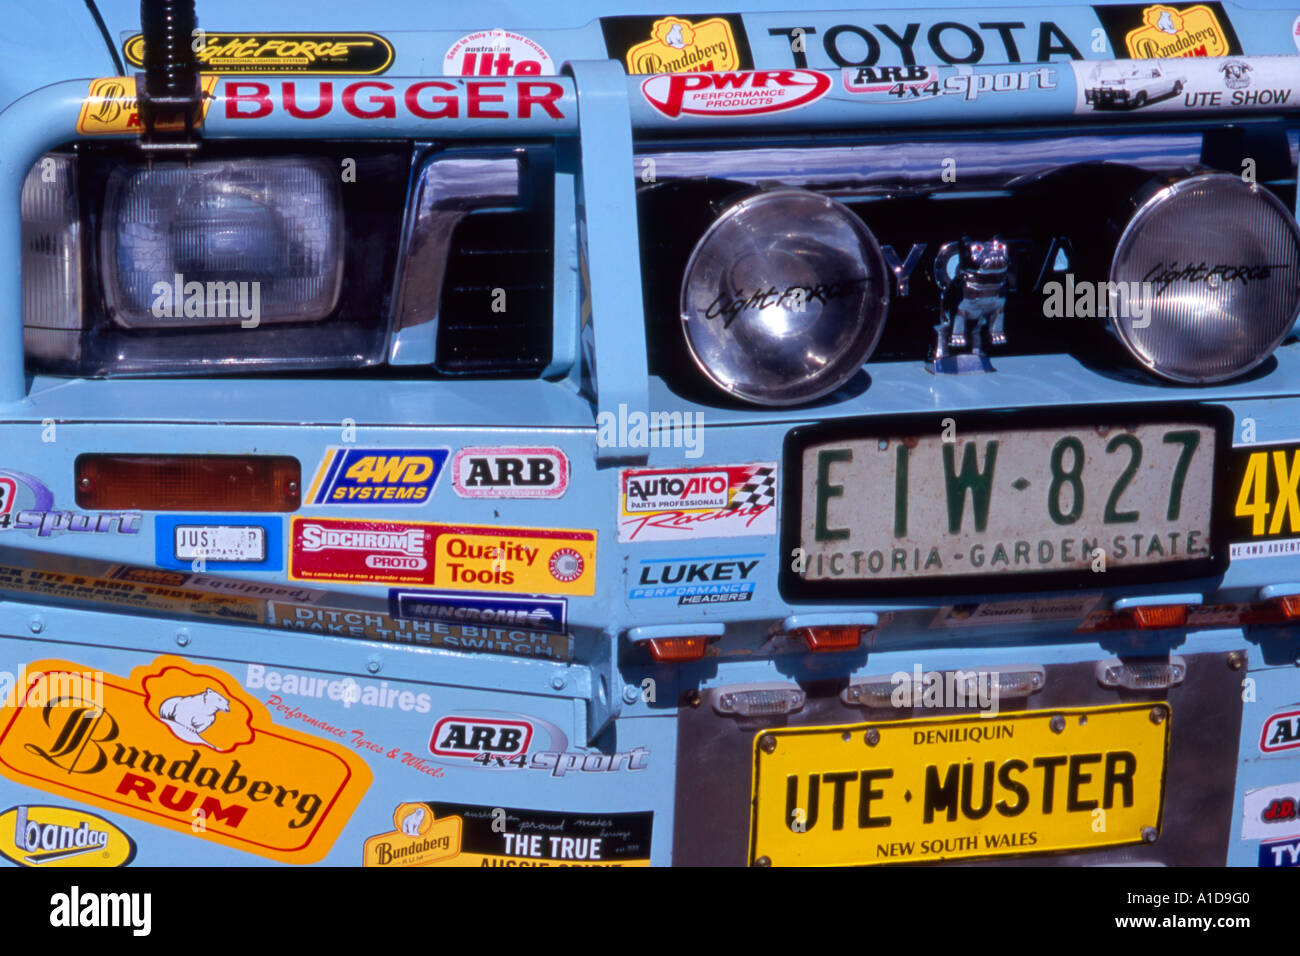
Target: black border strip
(795,588)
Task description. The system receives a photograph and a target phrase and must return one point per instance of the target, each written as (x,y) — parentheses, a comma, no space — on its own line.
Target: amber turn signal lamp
(1159,616)
(675,650)
(833,638)
(188,483)
(1289,606)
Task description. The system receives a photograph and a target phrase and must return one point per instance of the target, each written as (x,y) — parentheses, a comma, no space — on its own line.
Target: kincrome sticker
(47,836)
(1165,31)
(497,53)
(456,834)
(353,54)
(675,504)
(454,607)
(746,93)
(1264,501)
(26,504)
(110,106)
(377,476)
(178,740)
(222,542)
(502,741)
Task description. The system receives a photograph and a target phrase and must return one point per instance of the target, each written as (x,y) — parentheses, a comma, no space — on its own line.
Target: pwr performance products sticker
(748,93)
(678,504)
(175,738)
(456,557)
(455,834)
(377,476)
(496,53)
(110,106)
(354,54)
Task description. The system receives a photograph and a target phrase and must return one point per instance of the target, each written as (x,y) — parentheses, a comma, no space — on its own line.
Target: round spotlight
(1206,278)
(784,297)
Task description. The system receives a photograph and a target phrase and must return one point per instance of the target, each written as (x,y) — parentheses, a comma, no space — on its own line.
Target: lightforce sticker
(355,54)
(680,504)
(456,557)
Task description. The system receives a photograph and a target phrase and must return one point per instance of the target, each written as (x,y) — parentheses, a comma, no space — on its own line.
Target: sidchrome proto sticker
(45,836)
(110,106)
(455,557)
(710,501)
(453,834)
(352,54)
(177,742)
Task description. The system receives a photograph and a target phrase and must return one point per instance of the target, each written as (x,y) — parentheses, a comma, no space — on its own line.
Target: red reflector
(838,638)
(676,649)
(188,482)
(1160,615)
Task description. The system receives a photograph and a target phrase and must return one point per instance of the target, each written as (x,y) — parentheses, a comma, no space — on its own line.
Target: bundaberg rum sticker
(181,745)
(110,106)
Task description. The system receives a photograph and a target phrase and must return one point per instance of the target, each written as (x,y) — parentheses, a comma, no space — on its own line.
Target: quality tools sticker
(178,741)
(456,557)
(677,504)
(110,106)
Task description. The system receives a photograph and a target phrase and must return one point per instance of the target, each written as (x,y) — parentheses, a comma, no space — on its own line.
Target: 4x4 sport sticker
(355,54)
(456,557)
(178,737)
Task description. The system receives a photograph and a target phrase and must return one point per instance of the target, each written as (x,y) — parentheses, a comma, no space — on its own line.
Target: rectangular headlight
(222,242)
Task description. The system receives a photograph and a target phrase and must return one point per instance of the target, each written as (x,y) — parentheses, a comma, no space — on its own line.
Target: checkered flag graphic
(759,490)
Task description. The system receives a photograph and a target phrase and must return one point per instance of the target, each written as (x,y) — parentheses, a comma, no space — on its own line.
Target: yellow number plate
(949,788)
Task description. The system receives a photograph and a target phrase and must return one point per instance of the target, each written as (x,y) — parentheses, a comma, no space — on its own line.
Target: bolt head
(372,665)
(763,861)
(1149,834)
(558,682)
(37,625)
(767,744)
(1158,714)
(630,694)
(872,737)
(182,638)
(1237,660)
(1057,724)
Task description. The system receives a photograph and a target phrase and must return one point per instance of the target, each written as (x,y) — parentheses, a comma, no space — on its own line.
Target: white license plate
(220,542)
(1006,502)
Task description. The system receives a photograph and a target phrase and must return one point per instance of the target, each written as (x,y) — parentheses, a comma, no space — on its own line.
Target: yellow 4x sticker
(1268,493)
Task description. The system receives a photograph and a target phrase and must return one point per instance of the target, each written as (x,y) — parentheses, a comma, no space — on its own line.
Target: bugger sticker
(178,742)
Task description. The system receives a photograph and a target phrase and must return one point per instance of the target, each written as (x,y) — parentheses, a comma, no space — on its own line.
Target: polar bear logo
(189,717)
(674,38)
(412,822)
(1166,22)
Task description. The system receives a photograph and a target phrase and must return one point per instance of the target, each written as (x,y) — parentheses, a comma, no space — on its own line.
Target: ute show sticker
(748,93)
(510,473)
(454,834)
(679,504)
(45,836)
(497,53)
(349,54)
(177,741)
(1181,85)
(457,557)
(110,106)
(377,476)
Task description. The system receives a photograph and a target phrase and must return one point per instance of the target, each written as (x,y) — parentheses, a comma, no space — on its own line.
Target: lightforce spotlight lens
(784,297)
(1210,269)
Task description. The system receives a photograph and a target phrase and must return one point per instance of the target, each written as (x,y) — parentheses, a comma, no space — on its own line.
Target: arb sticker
(354,54)
(510,472)
(110,106)
(377,476)
(1281,733)
(734,94)
(677,504)
(457,557)
(182,746)
(496,53)
(62,836)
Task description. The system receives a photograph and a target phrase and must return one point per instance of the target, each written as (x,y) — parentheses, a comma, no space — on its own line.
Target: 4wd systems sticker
(677,504)
(455,834)
(459,557)
(177,737)
(734,94)
(340,53)
(377,476)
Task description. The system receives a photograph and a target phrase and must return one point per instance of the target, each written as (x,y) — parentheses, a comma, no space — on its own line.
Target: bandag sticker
(36,835)
(455,557)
